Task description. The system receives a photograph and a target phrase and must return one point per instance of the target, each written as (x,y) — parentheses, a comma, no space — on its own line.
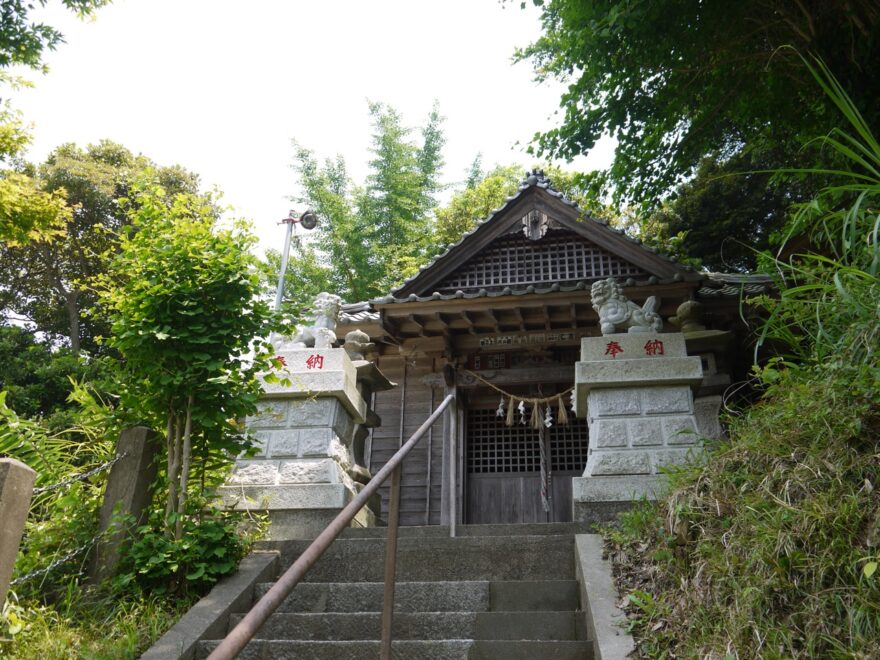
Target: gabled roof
(536,194)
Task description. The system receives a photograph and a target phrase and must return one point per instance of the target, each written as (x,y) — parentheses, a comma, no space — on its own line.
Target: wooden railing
(239,636)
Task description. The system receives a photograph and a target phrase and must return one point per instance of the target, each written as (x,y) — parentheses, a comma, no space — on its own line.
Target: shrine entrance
(503,471)
(503,311)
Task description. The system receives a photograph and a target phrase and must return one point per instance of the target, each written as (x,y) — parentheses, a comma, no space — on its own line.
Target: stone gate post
(302,472)
(16,490)
(636,391)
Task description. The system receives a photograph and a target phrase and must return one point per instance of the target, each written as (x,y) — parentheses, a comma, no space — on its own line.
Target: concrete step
(439,559)
(409,650)
(555,626)
(530,650)
(530,626)
(434,531)
(471,596)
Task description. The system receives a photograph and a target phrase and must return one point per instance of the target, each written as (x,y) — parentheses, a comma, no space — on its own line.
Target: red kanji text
(654,347)
(613,349)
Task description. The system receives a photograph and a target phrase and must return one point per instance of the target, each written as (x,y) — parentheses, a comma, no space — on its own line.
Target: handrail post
(453,464)
(390,564)
(244,631)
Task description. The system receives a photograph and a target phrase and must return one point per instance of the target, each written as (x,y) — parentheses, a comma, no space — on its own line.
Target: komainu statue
(689,316)
(322,334)
(358,344)
(616,313)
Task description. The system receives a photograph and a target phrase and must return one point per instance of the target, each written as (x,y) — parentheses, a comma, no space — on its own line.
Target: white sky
(221,87)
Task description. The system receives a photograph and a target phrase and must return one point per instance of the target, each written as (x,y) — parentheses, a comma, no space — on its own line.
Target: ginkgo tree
(183,294)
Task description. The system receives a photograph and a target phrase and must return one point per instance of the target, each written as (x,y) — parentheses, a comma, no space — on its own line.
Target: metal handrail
(239,636)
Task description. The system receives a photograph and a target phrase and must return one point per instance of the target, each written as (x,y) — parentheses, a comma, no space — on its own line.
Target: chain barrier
(73,553)
(81,477)
(55,564)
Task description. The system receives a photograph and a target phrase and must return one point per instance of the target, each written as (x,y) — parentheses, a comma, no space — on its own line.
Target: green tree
(47,282)
(482,193)
(676,82)
(27,212)
(37,378)
(369,237)
(23,41)
(727,219)
(184,298)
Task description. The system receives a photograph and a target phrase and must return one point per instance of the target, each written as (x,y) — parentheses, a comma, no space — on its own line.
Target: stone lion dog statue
(322,332)
(617,313)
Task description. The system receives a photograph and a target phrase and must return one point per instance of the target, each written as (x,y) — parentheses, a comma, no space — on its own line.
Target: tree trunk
(70,304)
(174,451)
(169,447)
(186,462)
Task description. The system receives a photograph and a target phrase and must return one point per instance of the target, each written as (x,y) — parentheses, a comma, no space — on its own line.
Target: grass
(766,551)
(87,624)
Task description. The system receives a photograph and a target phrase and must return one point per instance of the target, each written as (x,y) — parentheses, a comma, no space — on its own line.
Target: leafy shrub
(183,296)
(212,544)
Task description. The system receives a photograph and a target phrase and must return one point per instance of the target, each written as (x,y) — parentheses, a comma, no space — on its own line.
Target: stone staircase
(494,591)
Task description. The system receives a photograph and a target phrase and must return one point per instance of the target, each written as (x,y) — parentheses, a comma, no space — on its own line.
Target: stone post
(636,391)
(300,474)
(16,489)
(128,493)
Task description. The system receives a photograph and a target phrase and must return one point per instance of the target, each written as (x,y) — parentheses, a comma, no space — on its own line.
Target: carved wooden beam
(494,317)
(436,345)
(519,317)
(467,316)
(421,326)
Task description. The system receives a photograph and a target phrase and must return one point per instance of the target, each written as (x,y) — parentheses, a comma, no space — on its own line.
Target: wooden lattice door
(503,469)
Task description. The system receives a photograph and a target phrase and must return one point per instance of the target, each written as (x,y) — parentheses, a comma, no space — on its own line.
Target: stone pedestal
(301,473)
(636,391)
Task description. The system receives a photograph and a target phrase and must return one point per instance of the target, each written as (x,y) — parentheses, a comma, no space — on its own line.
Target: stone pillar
(636,391)
(128,494)
(300,474)
(16,489)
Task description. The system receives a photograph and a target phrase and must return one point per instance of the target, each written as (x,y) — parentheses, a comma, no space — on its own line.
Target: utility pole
(309,221)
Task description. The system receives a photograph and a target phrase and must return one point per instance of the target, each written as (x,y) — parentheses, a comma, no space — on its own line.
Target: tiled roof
(361,312)
(536,179)
(715,285)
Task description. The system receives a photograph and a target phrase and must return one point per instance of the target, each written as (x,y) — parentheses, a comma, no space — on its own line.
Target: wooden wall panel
(420,490)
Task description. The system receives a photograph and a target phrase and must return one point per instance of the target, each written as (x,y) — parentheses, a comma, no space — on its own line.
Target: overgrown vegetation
(88,624)
(182,296)
(694,91)
(772,548)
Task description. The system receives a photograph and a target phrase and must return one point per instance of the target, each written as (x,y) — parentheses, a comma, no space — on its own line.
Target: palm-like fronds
(829,289)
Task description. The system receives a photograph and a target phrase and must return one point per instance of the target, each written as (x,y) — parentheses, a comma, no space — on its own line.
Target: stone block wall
(640,430)
(303,472)
(298,441)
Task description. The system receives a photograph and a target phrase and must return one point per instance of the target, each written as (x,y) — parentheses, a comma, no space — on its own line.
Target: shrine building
(499,317)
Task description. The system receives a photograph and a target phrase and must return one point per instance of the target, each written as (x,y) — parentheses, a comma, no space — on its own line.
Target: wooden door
(503,469)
